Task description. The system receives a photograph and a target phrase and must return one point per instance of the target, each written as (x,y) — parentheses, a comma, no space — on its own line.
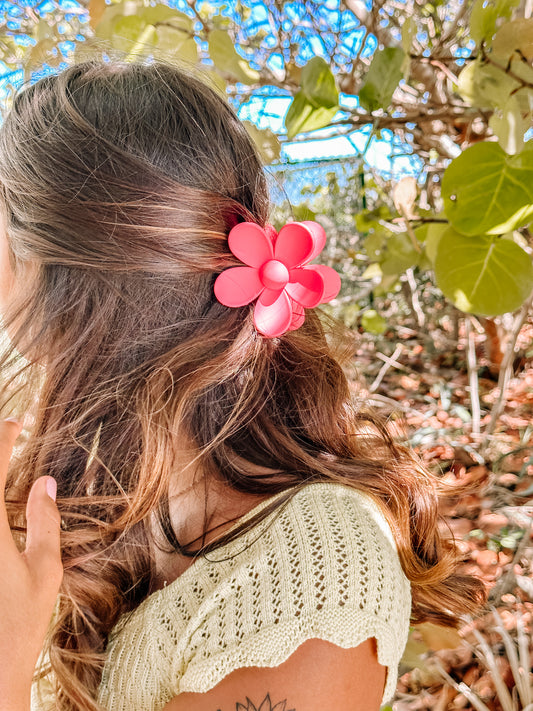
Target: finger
(9,431)
(43,551)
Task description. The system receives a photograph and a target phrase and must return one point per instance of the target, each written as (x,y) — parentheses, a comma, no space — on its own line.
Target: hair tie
(274,274)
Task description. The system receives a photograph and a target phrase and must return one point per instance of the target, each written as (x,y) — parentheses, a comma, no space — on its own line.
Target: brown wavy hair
(119,183)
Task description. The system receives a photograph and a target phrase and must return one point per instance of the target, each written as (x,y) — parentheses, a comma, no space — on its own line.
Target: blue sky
(267,108)
(269,112)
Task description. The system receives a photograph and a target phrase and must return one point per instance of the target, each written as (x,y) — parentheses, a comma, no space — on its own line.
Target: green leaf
(316,103)
(318,84)
(408,34)
(510,126)
(164,13)
(41,52)
(303,212)
(482,20)
(399,254)
(86,50)
(373,271)
(104,28)
(484,16)
(42,30)
(373,322)
(266,141)
(515,36)
(414,654)
(382,78)
(226,58)
(169,39)
(524,71)
(517,237)
(421,232)
(430,234)
(373,245)
(217,83)
(484,274)
(126,31)
(511,540)
(487,191)
(144,44)
(303,116)
(389,283)
(367,220)
(485,85)
(350,315)
(175,44)
(434,234)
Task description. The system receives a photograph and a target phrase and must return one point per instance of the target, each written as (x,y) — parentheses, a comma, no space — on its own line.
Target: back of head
(119,183)
(127,169)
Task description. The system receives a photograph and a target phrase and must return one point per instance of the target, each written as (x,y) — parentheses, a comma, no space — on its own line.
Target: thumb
(43,551)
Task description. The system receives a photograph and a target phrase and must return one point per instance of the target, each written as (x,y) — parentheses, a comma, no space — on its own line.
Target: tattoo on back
(266,705)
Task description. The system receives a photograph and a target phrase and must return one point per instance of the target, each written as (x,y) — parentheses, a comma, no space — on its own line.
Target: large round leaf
(487,191)
(485,275)
(430,235)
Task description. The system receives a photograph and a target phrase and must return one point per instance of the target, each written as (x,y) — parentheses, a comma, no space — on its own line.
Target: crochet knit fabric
(323,566)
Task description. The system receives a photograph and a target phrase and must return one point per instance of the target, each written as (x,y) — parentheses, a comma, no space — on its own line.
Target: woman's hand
(29,581)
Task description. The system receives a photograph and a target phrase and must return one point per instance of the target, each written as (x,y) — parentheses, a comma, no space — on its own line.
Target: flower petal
(268,296)
(298,316)
(273,319)
(306,286)
(237,286)
(297,242)
(332,281)
(319,238)
(249,242)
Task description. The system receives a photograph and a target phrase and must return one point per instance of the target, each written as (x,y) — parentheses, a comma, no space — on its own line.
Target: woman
(174,402)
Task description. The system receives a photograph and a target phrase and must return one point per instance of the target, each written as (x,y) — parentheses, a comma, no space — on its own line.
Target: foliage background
(429,225)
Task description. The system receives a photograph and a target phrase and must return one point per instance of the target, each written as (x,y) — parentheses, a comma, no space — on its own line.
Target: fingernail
(51,488)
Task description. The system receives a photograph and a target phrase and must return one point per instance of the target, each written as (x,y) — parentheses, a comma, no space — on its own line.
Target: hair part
(120,182)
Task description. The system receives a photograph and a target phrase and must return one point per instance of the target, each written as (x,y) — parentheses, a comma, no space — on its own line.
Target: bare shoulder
(318,675)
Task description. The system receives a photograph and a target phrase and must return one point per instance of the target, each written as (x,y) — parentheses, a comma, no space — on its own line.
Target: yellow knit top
(323,566)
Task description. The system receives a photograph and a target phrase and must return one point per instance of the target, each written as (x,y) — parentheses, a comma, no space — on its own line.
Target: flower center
(274,274)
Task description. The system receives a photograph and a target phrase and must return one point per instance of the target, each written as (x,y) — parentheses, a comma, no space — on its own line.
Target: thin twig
(471,362)
(508,581)
(487,657)
(518,671)
(407,221)
(523,654)
(377,399)
(384,368)
(420,317)
(506,372)
(461,687)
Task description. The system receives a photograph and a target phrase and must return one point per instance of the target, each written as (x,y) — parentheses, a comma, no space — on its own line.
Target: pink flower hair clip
(274,274)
